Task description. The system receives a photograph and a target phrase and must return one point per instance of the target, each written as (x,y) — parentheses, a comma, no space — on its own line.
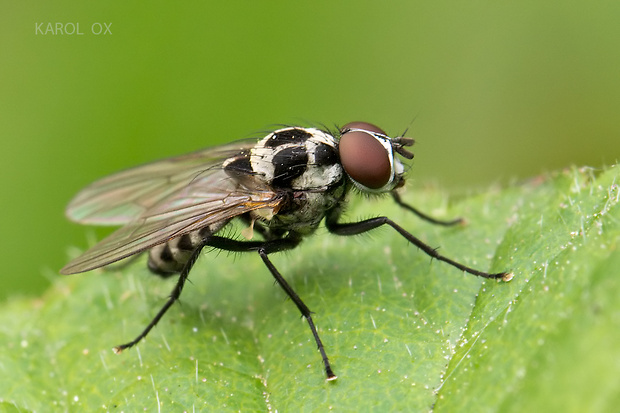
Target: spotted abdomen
(170,257)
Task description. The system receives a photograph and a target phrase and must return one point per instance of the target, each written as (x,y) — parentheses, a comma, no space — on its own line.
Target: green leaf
(403,333)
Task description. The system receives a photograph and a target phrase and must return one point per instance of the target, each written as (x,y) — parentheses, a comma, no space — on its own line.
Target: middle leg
(264,248)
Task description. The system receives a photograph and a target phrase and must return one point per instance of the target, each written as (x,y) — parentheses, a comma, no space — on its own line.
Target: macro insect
(282,187)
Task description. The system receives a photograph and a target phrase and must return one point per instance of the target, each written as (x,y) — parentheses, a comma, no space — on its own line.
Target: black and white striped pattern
(302,163)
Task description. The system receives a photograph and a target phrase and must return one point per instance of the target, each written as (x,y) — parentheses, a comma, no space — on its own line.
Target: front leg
(354,228)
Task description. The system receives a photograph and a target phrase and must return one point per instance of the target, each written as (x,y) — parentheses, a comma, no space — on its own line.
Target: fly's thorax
(302,165)
(299,159)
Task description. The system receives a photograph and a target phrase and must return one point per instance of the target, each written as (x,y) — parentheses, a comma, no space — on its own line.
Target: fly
(282,186)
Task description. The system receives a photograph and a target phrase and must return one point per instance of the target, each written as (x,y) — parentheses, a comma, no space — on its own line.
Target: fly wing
(121,198)
(210,197)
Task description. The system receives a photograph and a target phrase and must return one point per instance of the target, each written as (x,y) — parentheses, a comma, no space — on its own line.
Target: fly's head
(368,156)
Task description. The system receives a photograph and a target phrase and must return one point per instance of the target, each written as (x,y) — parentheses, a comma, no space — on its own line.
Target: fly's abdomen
(170,257)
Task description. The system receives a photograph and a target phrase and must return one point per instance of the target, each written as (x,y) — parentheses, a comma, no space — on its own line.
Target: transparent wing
(163,200)
(121,198)
(211,198)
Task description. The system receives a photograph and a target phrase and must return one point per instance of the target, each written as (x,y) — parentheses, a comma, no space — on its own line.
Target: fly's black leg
(422,215)
(355,228)
(174,296)
(263,249)
(214,241)
(305,311)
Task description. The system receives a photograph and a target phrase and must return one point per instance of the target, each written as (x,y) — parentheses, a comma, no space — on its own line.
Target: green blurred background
(497,92)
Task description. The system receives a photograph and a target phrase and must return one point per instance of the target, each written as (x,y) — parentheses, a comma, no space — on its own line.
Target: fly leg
(354,228)
(264,248)
(422,215)
(210,240)
(174,296)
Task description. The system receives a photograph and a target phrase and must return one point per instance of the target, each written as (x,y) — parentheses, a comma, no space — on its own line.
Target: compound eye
(363,157)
